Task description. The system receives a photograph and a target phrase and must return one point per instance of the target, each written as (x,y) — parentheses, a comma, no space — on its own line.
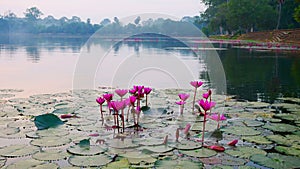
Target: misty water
(50,64)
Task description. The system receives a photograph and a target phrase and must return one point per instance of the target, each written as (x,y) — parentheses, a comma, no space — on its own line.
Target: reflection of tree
(33,54)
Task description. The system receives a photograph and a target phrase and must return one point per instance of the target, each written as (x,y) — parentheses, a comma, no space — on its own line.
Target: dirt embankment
(288,36)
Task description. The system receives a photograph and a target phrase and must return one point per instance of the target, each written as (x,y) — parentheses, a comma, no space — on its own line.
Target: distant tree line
(242,16)
(35,24)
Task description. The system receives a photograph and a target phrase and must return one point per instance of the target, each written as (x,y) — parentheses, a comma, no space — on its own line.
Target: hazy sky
(99,9)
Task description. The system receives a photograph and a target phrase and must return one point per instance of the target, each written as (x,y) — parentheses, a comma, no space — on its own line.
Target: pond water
(51,64)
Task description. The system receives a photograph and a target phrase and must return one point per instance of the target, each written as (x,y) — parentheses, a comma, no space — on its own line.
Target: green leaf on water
(46,121)
(85,144)
(288,150)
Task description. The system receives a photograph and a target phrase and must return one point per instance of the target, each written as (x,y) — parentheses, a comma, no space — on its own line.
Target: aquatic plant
(121,92)
(100,101)
(147,91)
(206,106)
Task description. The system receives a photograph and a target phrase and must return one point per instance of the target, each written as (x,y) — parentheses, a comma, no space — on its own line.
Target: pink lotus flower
(206,105)
(132,99)
(216,148)
(118,105)
(215,117)
(180,102)
(233,142)
(183,96)
(147,90)
(121,92)
(100,100)
(196,84)
(206,95)
(108,97)
(132,91)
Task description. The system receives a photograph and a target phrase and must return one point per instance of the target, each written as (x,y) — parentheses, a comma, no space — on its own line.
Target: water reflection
(250,75)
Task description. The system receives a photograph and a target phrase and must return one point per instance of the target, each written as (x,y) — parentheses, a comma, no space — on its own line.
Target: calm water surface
(43,65)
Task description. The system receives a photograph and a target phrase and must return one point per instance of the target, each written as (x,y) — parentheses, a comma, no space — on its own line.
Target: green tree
(33,13)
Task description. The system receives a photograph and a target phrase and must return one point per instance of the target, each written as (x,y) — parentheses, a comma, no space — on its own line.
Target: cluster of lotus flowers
(133,102)
(137,94)
(206,104)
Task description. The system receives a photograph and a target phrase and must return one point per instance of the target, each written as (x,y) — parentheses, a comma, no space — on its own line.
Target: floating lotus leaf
(5,121)
(79,122)
(18,150)
(280,127)
(258,105)
(186,145)
(296,145)
(2,114)
(46,121)
(257,139)
(272,120)
(245,152)
(50,155)
(21,123)
(46,166)
(70,167)
(149,141)
(93,150)
(50,141)
(292,137)
(52,132)
(126,143)
(154,125)
(142,165)
(240,130)
(276,161)
(24,164)
(232,161)
(2,161)
(288,116)
(89,161)
(211,160)
(157,149)
(136,157)
(280,140)
(8,131)
(32,135)
(288,150)
(253,123)
(177,164)
(210,126)
(201,153)
(65,110)
(123,163)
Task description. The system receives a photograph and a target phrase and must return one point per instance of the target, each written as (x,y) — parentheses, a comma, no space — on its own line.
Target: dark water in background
(41,65)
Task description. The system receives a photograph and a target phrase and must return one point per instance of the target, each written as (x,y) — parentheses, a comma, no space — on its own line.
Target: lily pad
(89,161)
(25,164)
(2,161)
(123,163)
(245,152)
(52,132)
(18,150)
(50,155)
(281,140)
(50,141)
(232,161)
(136,157)
(157,149)
(276,161)
(201,153)
(240,130)
(253,123)
(46,166)
(186,145)
(257,139)
(126,143)
(288,116)
(46,121)
(288,150)
(92,150)
(177,164)
(280,127)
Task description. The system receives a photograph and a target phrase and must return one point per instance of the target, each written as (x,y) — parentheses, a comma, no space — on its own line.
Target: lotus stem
(203,128)
(193,105)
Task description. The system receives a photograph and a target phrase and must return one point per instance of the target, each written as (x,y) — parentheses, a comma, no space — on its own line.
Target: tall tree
(33,13)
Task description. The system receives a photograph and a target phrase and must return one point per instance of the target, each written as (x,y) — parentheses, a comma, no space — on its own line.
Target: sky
(97,10)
